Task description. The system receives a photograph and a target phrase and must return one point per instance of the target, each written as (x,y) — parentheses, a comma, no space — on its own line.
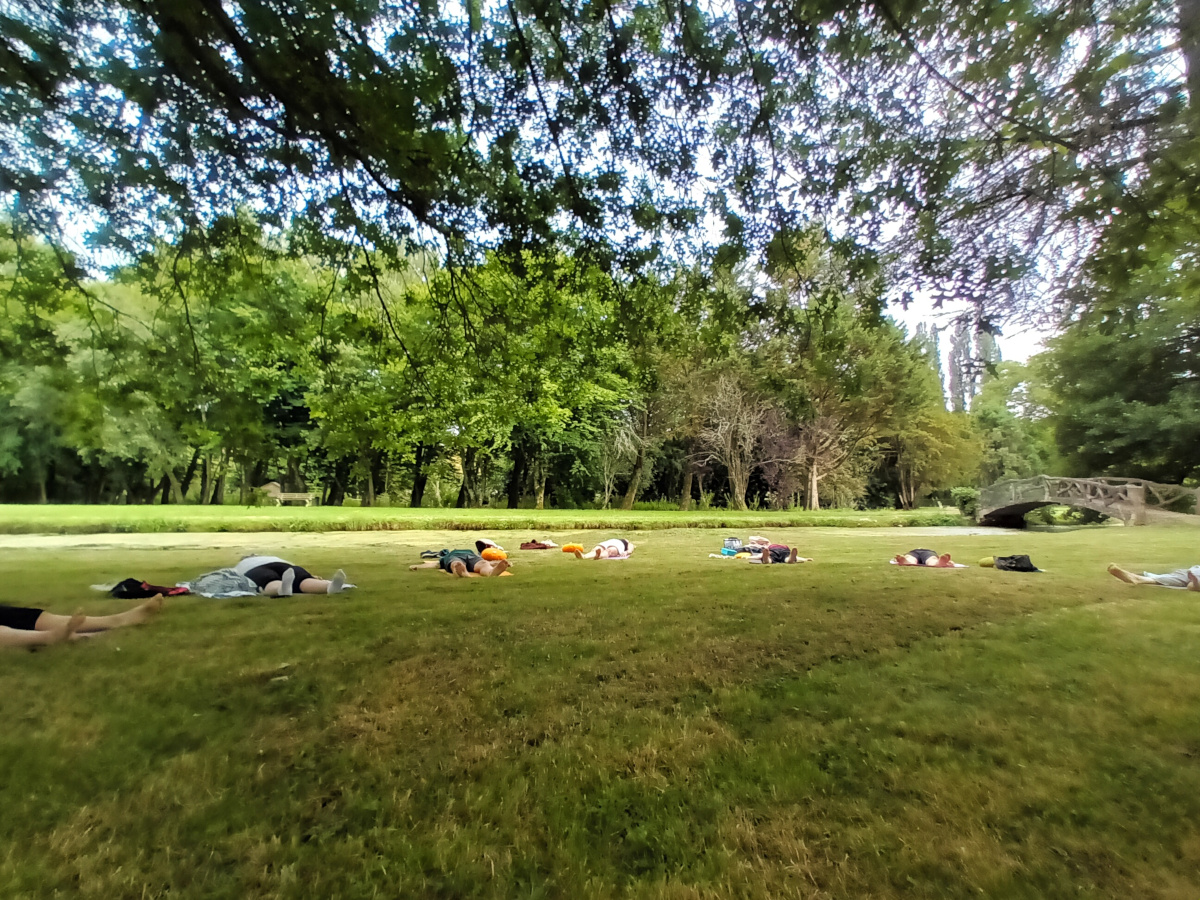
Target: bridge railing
(1123,498)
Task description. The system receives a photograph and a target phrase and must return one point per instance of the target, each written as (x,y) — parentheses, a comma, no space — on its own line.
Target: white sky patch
(1017,342)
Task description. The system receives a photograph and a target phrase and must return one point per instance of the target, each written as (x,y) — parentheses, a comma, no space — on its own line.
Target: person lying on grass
(778,554)
(1180,578)
(25,627)
(617,548)
(276,577)
(928,558)
(465,564)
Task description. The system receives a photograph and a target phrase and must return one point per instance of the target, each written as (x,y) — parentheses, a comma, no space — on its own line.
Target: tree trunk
(685,496)
(176,489)
(369,499)
(259,474)
(94,478)
(211,476)
(516,478)
(539,480)
(337,485)
(814,497)
(186,485)
(336,495)
(739,480)
(635,479)
(466,491)
(420,475)
(379,467)
(294,482)
(217,498)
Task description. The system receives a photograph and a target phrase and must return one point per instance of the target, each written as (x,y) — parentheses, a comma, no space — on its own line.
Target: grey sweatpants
(1176,579)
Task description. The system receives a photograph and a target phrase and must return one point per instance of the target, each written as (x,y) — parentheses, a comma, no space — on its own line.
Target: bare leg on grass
(63,629)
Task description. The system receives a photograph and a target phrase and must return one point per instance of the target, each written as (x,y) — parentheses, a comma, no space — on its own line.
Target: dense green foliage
(987,144)
(235,356)
(1017,431)
(1124,376)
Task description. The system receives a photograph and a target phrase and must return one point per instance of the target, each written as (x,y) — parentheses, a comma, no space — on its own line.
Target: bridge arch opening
(1133,501)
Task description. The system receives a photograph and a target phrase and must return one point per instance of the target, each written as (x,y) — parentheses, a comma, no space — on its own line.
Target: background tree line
(237,356)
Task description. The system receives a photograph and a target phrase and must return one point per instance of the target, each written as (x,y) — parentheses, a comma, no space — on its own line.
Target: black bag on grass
(132,589)
(1016,564)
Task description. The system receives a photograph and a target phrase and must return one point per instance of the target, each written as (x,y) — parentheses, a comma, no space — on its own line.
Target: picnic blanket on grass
(221,584)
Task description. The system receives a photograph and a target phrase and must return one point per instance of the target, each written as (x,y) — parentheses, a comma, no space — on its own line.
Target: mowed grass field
(670,726)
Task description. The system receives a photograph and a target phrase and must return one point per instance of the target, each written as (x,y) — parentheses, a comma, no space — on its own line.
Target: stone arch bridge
(1132,500)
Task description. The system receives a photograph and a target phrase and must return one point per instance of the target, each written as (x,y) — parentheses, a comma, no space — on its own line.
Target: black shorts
(469,557)
(265,574)
(21,618)
(922,556)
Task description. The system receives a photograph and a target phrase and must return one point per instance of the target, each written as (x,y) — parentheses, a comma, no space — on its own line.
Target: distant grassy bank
(51,519)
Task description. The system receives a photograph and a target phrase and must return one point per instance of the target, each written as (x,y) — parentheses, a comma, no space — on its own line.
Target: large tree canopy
(983,143)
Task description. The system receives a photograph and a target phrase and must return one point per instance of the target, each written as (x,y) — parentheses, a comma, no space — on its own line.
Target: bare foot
(1117,572)
(578,554)
(459,568)
(140,615)
(794,556)
(943,562)
(500,567)
(766,557)
(76,621)
(66,631)
(1193,582)
(901,559)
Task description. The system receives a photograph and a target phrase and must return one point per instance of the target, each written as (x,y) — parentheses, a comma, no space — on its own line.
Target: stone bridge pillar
(1137,504)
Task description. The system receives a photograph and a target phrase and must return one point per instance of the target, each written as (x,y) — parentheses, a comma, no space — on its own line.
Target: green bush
(967,500)
(1065,515)
(1043,515)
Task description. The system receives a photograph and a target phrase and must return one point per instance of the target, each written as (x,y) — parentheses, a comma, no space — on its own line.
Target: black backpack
(1016,564)
(132,589)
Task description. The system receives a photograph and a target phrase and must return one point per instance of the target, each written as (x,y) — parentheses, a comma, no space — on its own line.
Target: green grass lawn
(669,726)
(52,519)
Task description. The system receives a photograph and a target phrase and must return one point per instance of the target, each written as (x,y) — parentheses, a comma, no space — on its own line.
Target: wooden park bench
(274,491)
